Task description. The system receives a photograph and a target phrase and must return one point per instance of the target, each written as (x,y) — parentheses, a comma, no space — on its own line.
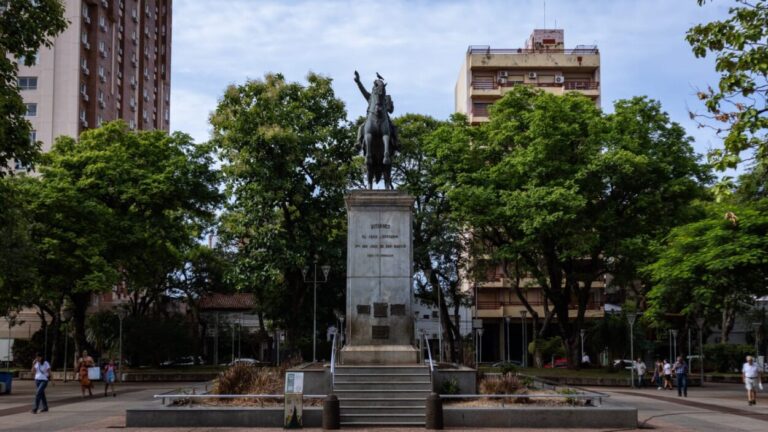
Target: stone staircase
(382,395)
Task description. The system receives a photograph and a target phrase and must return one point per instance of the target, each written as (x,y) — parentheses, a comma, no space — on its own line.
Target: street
(716,407)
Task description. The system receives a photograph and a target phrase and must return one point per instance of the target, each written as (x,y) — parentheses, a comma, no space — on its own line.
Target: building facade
(502,325)
(544,62)
(112,62)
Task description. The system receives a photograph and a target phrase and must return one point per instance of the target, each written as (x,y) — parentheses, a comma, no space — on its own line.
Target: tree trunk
(79,306)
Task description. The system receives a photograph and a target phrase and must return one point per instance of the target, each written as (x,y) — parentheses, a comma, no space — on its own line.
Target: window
(19,166)
(31,110)
(434,314)
(28,83)
(33,137)
(32,59)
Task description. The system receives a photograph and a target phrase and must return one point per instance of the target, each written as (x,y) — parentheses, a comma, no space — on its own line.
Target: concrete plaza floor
(715,407)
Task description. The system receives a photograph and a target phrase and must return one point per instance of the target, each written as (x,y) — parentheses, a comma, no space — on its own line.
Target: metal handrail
(333,361)
(429,353)
(165,396)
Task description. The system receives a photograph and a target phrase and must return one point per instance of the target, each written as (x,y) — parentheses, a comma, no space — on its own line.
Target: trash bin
(6,378)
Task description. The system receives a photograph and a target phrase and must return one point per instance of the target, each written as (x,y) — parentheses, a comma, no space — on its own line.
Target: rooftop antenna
(545,14)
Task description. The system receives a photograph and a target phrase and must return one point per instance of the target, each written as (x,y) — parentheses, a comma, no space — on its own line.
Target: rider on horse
(377,131)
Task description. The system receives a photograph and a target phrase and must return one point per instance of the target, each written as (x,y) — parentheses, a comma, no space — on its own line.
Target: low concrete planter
(465,377)
(544,417)
(139,376)
(216,417)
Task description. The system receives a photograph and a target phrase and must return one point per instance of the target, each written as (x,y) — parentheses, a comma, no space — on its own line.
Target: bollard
(434,415)
(331,412)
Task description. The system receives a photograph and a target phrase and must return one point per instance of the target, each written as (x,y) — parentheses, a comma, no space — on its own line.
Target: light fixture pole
(480,350)
(523,314)
(121,314)
(507,319)
(631,320)
(581,333)
(428,275)
(11,318)
(674,345)
(326,269)
(756,327)
(700,324)
(67,315)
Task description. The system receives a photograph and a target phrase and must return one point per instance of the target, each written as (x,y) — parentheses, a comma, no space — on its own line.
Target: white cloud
(419,47)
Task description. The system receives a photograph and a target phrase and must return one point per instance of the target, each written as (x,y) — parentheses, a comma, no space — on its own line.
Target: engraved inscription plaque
(380,310)
(380,332)
(397,309)
(364,309)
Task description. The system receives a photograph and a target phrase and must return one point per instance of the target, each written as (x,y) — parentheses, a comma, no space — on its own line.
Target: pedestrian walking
(85,381)
(681,373)
(42,371)
(641,369)
(109,377)
(657,372)
(667,371)
(753,378)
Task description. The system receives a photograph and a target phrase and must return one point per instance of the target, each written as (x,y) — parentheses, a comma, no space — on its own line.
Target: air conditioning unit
(532,75)
(84,123)
(502,80)
(85,96)
(559,79)
(503,74)
(86,45)
(102,78)
(85,70)
(87,19)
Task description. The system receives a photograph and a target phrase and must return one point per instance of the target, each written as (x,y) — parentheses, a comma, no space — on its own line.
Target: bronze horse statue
(377,137)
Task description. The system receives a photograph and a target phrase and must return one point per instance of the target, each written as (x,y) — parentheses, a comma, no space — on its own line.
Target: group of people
(664,373)
(42,370)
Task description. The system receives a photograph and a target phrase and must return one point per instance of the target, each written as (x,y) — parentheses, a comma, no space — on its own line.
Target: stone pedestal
(379,277)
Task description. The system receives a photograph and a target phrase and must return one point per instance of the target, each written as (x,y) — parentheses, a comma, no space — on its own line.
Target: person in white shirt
(667,368)
(751,375)
(42,371)
(641,369)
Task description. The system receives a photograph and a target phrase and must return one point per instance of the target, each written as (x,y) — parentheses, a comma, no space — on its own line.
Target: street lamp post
(631,319)
(67,315)
(700,324)
(523,314)
(581,333)
(121,314)
(507,319)
(326,269)
(756,327)
(480,349)
(674,344)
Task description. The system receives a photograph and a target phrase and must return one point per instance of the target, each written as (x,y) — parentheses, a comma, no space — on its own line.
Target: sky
(419,46)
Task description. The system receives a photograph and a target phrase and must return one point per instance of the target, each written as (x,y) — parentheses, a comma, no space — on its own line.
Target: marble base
(379,354)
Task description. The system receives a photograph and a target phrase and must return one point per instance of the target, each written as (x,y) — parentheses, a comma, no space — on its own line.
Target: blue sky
(418,46)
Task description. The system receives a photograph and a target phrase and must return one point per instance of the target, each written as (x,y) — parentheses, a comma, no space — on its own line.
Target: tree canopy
(554,188)
(287,153)
(738,107)
(714,267)
(25,27)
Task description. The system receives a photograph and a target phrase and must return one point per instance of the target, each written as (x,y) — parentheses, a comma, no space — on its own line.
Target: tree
(118,206)
(554,189)
(437,240)
(737,107)
(25,26)
(715,267)
(287,154)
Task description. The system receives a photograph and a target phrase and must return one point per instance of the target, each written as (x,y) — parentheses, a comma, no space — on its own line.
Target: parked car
(623,363)
(558,363)
(246,361)
(183,361)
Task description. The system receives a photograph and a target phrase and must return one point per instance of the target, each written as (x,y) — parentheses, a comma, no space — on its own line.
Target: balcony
(586,57)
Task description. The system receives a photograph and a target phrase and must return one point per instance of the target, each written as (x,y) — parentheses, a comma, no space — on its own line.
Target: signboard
(294,389)
(477,323)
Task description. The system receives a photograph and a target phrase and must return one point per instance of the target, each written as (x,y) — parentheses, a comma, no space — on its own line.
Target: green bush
(508,368)
(726,357)
(450,386)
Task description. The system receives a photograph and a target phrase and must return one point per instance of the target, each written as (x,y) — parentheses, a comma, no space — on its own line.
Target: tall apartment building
(544,62)
(486,75)
(112,62)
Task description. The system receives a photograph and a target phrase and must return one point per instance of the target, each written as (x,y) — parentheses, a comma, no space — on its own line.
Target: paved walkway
(716,407)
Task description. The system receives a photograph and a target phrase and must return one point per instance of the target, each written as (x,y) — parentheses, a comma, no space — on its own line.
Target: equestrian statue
(377,137)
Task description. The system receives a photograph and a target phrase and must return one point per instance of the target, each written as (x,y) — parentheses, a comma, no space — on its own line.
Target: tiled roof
(237,301)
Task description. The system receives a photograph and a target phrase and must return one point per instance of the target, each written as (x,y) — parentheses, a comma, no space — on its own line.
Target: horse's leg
(388,178)
(370,176)
(385,160)
(368,149)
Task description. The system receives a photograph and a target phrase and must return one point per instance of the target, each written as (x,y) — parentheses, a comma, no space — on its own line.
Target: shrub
(508,368)
(726,357)
(504,384)
(450,386)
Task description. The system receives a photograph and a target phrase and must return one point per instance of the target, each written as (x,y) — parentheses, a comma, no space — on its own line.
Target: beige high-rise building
(544,62)
(112,62)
